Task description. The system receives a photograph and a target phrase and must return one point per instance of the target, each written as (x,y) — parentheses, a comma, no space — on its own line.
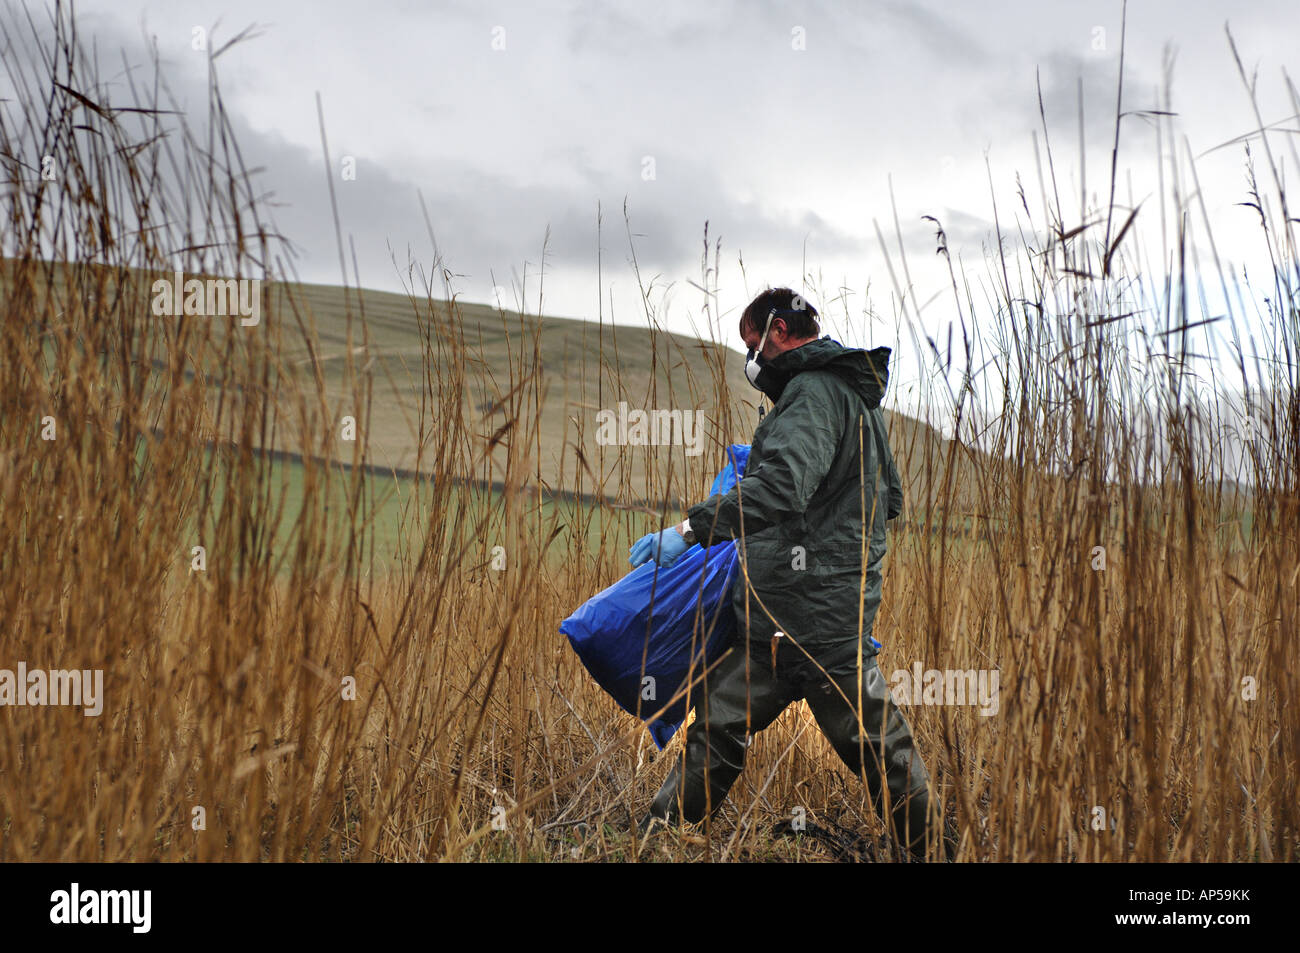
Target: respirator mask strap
(771,316)
(752,361)
(762,342)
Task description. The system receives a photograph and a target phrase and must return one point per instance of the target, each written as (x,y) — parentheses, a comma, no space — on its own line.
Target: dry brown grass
(1120,689)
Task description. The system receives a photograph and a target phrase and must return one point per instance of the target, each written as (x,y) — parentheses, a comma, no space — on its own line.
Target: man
(819,471)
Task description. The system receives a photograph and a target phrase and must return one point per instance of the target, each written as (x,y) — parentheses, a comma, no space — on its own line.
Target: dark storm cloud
(486,223)
(1070,82)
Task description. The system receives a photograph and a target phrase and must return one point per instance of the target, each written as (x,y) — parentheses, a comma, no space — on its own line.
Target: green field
(394,514)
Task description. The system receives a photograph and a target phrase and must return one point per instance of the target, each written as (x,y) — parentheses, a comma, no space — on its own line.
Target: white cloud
(783,151)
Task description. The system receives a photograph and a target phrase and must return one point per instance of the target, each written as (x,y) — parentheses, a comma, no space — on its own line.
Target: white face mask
(753,360)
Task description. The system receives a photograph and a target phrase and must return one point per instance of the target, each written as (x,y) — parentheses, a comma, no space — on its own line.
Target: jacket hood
(866,372)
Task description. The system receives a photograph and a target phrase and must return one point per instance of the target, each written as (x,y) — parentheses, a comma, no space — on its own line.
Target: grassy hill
(538,383)
(584,368)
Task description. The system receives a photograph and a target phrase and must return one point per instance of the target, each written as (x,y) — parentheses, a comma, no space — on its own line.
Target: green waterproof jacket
(819,472)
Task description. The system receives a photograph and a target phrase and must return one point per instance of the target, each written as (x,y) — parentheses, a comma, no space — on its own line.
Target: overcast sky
(781,124)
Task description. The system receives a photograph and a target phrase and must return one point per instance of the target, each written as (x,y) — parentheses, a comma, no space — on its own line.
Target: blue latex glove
(664,547)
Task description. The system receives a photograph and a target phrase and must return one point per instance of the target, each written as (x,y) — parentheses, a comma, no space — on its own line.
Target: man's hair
(799,315)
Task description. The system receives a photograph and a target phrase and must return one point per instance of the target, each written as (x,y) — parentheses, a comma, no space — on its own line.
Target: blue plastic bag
(611,630)
(623,644)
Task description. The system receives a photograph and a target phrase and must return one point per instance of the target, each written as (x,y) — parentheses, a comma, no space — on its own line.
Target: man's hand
(664,547)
